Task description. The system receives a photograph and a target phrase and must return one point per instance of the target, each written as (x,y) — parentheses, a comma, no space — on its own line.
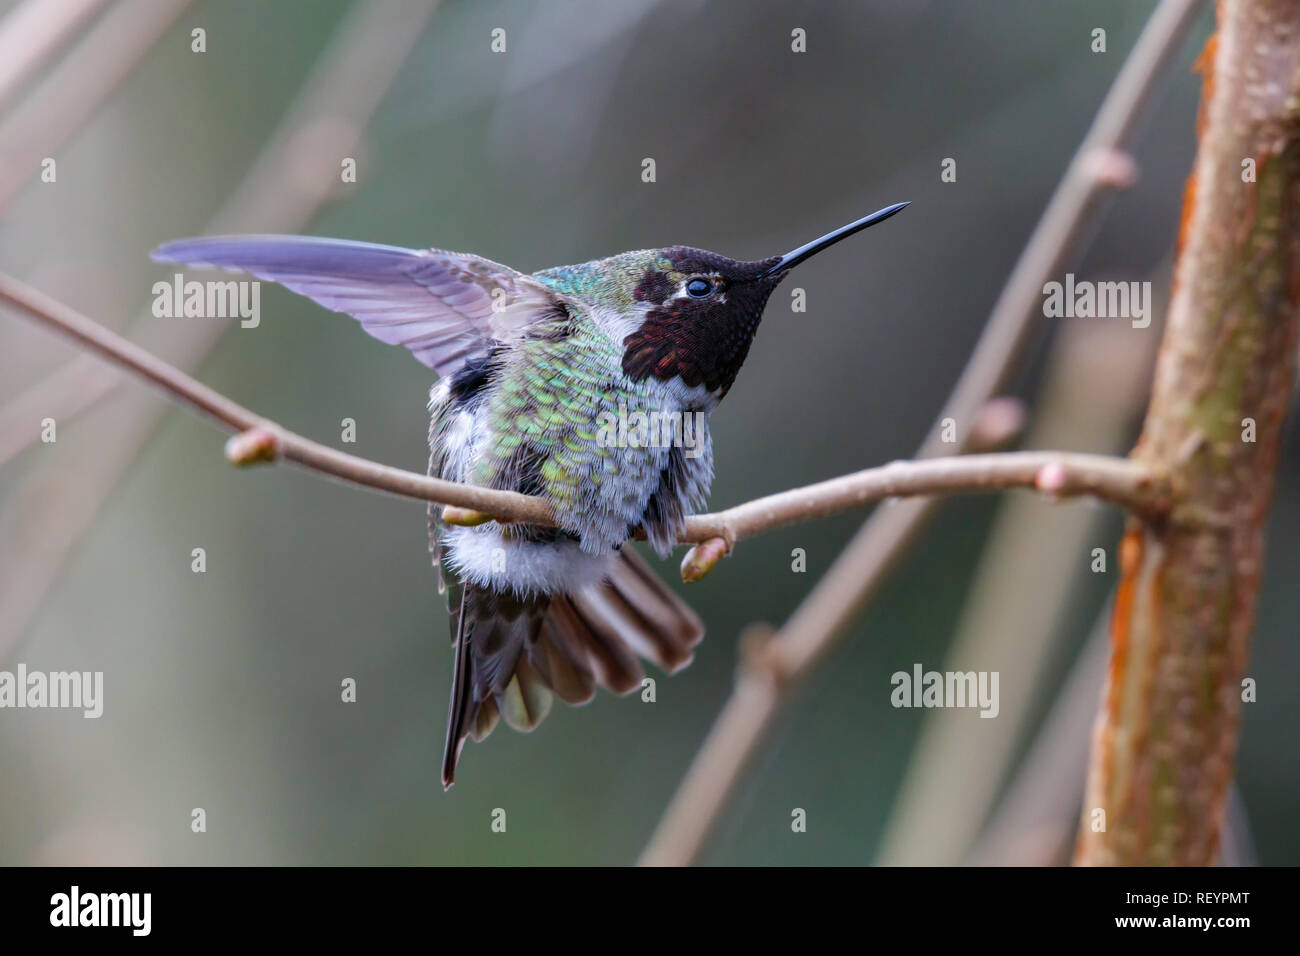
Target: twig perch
(1058,474)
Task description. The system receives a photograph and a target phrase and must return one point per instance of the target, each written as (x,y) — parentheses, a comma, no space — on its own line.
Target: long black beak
(807,251)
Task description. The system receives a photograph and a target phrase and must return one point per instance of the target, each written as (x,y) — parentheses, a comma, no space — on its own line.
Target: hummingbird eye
(699,288)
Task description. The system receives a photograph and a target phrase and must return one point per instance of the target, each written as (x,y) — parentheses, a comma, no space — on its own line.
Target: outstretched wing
(446,307)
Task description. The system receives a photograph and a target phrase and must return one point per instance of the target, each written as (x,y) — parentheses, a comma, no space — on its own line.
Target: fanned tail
(513,655)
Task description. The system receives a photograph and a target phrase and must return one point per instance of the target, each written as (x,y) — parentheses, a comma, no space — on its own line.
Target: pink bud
(252,446)
(1052,479)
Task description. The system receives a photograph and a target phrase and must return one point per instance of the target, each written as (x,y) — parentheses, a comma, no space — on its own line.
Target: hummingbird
(531,368)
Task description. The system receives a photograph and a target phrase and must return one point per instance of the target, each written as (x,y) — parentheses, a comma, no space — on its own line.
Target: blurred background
(222,688)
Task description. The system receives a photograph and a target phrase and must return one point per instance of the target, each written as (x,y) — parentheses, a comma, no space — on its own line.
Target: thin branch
(861,568)
(1059,474)
(292,176)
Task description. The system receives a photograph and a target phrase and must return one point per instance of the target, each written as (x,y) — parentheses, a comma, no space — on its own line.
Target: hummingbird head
(701,310)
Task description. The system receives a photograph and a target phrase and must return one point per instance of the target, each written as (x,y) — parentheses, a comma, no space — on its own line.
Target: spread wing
(446,307)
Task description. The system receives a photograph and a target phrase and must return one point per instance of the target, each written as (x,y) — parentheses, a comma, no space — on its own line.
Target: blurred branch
(1096,386)
(29,36)
(292,176)
(1100,166)
(79,86)
(1166,738)
(1058,474)
(861,568)
(1035,818)
(34,32)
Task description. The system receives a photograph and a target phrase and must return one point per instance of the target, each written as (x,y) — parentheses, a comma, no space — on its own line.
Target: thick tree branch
(1166,738)
(1058,474)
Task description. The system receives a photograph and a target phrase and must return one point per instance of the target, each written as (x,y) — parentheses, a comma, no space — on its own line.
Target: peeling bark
(1166,736)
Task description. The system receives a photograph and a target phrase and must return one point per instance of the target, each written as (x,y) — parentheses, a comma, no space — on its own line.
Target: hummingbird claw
(464,517)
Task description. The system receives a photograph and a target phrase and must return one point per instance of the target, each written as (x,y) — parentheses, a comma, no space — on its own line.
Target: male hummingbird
(529,368)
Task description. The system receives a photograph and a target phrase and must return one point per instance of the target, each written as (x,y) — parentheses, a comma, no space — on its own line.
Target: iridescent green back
(546,411)
(612,282)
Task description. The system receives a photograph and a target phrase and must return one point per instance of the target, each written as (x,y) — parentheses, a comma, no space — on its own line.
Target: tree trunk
(1166,737)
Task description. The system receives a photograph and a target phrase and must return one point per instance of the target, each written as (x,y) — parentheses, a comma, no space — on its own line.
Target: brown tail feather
(667,622)
(564,665)
(491,676)
(613,662)
(511,653)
